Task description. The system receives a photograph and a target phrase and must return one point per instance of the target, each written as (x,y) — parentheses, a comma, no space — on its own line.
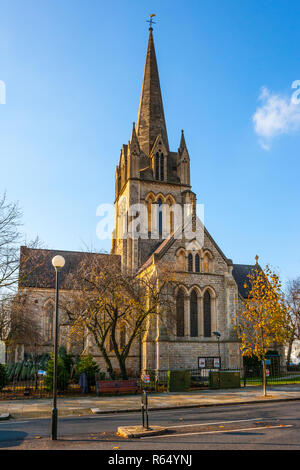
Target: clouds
(277,114)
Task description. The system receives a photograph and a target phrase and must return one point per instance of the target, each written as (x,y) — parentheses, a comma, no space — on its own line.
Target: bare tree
(23,327)
(293,312)
(10,222)
(10,240)
(115,306)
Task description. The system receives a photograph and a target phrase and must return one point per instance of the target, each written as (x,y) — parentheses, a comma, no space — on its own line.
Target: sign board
(216,363)
(209,362)
(146,379)
(201,364)
(268,372)
(42,372)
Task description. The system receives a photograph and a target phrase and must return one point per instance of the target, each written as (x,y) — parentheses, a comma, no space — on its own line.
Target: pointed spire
(133,137)
(151,119)
(183,151)
(182,145)
(134,142)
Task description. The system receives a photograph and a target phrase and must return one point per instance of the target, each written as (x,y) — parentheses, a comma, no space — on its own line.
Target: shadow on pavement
(11,438)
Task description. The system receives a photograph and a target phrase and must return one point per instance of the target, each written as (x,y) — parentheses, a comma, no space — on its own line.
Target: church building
(151,176)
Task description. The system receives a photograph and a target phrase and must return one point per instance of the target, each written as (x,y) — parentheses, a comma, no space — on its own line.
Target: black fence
(38,389)
(158,382)
(200,378)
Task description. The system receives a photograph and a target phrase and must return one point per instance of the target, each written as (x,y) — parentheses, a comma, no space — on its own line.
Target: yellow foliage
(261,322)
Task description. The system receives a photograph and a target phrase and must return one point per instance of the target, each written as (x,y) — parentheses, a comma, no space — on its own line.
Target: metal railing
(37,389)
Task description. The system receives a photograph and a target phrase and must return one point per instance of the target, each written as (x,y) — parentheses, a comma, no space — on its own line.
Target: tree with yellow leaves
(262,321)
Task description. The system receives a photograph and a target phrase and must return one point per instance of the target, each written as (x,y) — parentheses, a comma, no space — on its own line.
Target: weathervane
(151,22)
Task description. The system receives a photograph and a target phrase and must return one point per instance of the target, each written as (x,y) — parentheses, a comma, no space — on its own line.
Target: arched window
(207,314)
(49,315)
(190,262)
(171,221)
(160,218)
(206,263)
(162,167)
(149,209)
(180,260)
(194,314)
(122,337)
(197,263)
(180,313)
(157,166)
(110,345)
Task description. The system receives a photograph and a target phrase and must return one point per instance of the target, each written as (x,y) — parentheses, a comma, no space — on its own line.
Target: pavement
(82,406)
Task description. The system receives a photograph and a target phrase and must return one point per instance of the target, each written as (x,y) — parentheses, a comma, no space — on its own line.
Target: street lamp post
(58,263)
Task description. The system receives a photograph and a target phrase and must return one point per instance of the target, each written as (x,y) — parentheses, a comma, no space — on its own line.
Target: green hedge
(228,379)
(3,376)
(178,380)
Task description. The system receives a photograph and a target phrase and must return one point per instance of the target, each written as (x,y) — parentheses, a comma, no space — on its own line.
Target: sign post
(144,405)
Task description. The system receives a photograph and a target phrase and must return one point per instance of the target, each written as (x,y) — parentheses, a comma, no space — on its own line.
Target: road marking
(220,432)
(217,422)
(13,422)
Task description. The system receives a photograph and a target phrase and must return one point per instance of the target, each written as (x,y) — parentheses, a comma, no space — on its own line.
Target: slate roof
(240,273)
(36,268)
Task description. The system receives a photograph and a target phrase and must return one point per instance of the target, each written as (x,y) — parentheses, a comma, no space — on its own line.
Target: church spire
(182,144)
(151,119)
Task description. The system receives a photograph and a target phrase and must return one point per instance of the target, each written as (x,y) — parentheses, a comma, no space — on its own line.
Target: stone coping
(138,431)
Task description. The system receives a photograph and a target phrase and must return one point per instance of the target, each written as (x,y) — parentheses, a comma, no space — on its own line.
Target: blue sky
(73,73)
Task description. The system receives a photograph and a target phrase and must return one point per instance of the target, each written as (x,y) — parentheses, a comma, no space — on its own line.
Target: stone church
(152,176)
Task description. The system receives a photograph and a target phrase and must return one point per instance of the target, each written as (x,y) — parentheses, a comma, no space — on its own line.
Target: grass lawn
(273,380)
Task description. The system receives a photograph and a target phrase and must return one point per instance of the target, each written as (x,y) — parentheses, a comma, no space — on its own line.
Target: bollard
(144,405)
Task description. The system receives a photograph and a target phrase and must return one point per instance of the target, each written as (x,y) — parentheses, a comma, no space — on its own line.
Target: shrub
(63,375)
(3,376)
(87,364)
(178,380)
(67,358)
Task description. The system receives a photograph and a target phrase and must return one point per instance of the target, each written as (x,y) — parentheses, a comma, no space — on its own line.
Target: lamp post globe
(58,262)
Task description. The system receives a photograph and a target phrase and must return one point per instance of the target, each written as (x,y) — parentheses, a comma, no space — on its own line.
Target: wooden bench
(116,386)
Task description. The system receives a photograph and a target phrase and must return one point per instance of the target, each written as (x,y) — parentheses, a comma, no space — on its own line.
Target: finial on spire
(151,22)
(256,259)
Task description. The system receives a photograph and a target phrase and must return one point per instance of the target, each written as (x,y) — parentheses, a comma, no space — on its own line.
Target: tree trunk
(264,378)
(106,358)
(288,359)
(123,368)
(109,365)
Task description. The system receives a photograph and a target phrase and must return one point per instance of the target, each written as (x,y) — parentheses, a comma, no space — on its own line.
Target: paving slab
(72,406)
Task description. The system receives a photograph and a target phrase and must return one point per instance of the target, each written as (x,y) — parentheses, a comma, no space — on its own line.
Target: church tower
(150,174)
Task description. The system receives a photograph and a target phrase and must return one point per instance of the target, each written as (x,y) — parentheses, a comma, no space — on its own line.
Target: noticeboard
(211,362)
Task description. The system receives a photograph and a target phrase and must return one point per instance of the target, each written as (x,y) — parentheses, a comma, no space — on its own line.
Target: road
(242,427)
